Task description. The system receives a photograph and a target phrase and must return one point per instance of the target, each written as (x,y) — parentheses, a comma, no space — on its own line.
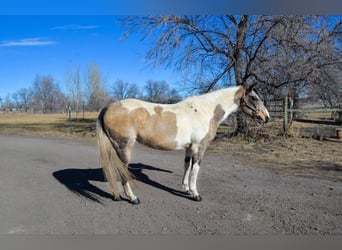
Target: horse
(189,125)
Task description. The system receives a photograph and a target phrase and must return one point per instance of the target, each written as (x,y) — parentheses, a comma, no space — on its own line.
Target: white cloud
(75,27)
(27,42)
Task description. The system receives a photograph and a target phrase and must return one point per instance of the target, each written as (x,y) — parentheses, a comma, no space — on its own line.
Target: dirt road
(55,186)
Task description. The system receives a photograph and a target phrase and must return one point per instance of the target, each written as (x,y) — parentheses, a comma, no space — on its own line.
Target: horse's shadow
(78,181)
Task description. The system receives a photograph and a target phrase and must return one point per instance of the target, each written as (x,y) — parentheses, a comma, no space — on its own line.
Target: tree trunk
(239,47)
(242,127)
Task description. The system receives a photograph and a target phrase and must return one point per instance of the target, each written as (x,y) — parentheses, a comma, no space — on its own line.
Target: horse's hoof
(187,192)
(197,198)
(135,201)
(116,198)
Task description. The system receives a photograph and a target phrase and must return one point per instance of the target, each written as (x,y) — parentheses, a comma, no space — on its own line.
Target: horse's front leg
(187,169)
(193,180)
(198,153)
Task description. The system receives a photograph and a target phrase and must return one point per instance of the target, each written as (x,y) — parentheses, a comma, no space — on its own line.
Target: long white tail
(114,169)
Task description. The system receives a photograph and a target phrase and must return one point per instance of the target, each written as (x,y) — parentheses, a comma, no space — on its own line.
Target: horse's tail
(113,167)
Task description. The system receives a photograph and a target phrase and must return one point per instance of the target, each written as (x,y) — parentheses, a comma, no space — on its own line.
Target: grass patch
(48,124)
(291,156)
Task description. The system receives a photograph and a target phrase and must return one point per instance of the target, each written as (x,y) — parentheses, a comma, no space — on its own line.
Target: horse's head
(251,104)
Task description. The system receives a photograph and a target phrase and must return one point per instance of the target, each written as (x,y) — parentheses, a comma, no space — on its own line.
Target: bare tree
(7,102)
(275,50)
(97,97)
(160,92)
(156,91)
(174,96)
(15,98)
(303,50)
(74,86)
(25,96)
(123,90)
(327,89)
(219,44)
(47,95)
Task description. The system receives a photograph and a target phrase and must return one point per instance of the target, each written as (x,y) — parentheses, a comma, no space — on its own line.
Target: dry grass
(302,152)
(49,124)
(28,118)
(288,156)
(309,130)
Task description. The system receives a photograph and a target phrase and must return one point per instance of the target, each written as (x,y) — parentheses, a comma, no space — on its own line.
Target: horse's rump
(149,123)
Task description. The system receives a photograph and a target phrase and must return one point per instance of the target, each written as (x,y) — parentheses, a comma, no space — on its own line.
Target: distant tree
(15,98)
(25,97)
(8,103)
(160,92)
(74,87)
(46,94)
(156,91)
(97,95)
(124,90)
(327,89)
(174,96)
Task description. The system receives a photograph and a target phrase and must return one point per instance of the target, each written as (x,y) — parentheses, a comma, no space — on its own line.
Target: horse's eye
(254,98)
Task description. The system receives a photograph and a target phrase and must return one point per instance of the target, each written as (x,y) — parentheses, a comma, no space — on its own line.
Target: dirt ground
(285,186)
(294,156)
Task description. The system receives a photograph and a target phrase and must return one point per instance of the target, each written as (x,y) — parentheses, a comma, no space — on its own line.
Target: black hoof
(135,201)
(197,198)
(187,192)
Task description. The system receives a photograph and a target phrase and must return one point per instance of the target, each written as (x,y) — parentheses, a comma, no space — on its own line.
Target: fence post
(290,103)
(70,121)
(285,125)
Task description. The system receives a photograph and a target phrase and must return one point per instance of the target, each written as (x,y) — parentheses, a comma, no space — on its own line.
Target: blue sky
(53,44)
(69,34)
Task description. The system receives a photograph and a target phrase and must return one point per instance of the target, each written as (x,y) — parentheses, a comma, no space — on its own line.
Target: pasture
(49,124)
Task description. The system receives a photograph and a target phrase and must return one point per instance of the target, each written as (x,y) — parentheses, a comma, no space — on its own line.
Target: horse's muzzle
(267,118)
(262,115)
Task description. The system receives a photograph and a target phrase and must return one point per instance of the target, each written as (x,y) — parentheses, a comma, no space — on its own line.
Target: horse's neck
(230,103)
(220,103)
(228,98)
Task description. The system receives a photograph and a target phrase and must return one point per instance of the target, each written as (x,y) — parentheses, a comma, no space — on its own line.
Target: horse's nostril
(267,119)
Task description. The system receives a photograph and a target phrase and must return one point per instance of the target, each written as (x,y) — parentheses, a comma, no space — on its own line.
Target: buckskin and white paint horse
(190,124)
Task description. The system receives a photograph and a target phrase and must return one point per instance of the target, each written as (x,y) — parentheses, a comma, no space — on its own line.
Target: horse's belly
(161,142)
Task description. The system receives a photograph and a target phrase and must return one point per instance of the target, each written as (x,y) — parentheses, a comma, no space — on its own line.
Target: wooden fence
(284,109)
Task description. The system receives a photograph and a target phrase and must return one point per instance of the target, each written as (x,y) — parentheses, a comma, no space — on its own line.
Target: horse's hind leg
(128,191)
(114,190)
(125,156)
(187,169)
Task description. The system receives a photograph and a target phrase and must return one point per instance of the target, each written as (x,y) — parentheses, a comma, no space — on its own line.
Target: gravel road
(55,186)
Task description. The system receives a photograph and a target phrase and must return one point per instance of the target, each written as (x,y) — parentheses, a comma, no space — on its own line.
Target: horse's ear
(250,88)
